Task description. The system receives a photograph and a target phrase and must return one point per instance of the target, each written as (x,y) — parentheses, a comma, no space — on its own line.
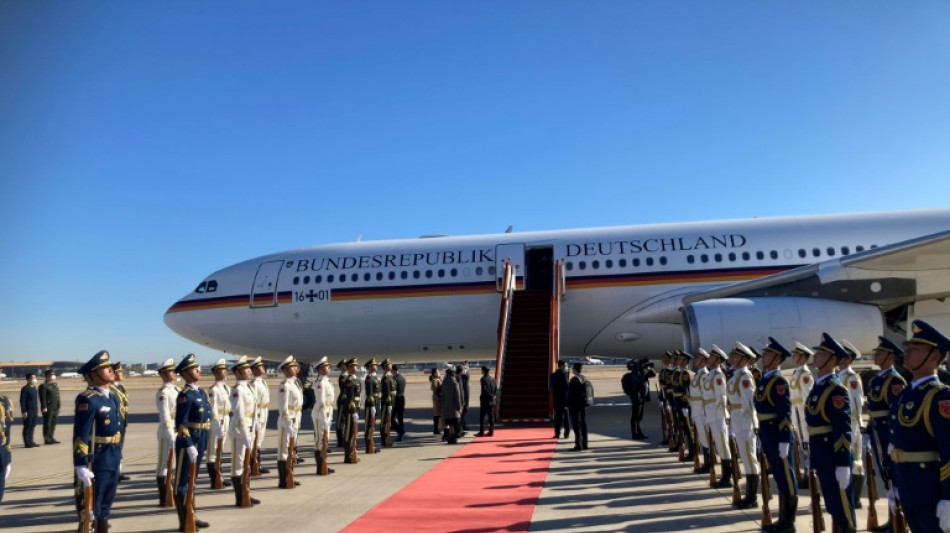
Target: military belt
(878,414)
(734,406)
(818,430)
(797,401)
(199,425)
(115,439)
(694,398)
(294,408)
(709,401)
(900,456)
(677,394)
(766,416)
(263,406)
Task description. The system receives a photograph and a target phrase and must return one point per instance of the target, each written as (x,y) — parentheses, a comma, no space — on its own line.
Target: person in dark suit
(463,378)
(557,383)
(577,405)
(486,404)
(30,407)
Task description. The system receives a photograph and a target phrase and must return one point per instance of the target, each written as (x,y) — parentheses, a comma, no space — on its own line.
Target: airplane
(70,375)
(624,291)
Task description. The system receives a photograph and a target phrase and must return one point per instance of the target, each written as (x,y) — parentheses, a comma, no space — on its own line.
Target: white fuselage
(437,299)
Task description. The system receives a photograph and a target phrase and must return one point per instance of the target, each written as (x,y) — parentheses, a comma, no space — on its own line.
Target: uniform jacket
(29,400)
(324,398)
(852,381)
(119,390)
(262,395)
(165,403)
(192,417)
(714,395)
(463,379)
(828,415)
(97,429)
(374,392)
(49,396)
(885,387)
(6,422)
(388,389)
(920,423)
(741,390)
(773,407)
(350,395)
(219,395)
(451,398)
(243,411)
(289,403)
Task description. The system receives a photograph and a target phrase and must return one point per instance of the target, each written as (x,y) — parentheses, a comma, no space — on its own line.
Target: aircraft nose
(178,322)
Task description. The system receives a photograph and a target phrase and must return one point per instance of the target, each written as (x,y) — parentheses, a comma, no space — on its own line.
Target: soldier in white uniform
(852,381)
(165,400)
(289,408)
(262,392)
(715,405)
(219,395)
(697,410)
(744,423)
(241,429)
(799,387)
(324,400)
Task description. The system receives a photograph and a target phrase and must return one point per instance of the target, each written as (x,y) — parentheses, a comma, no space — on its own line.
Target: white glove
(892,501)
(356,417)
(685,412)
(389,409)
(6,475)
(192,454)
(372,411)
(843,475)
(943,514)
(292,431)
(258,427)
(85,475)
(219,433)
(783,450)
(247,441)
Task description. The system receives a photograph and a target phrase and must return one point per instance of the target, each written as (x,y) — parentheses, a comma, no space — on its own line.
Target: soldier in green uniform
(49,405)
(119,389)
(340,421)
(349,407)
(6,457)
(388,399)
(372,404)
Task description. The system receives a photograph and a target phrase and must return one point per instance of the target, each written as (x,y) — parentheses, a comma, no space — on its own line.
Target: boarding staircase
(528,343)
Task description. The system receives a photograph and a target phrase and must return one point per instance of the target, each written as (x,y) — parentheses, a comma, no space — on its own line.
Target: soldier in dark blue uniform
(97,431)
(6,456)
(884,389)
(919,425)
(192,423)
(773,403)
(828,415)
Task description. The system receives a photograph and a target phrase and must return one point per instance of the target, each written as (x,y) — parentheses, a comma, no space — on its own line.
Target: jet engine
(787,319)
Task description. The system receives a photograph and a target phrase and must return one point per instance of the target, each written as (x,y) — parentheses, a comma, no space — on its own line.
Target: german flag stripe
(222,302)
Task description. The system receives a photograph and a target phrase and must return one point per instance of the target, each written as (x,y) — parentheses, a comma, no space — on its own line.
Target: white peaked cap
(289,361)
(701,352)
(718,351)
(852,349)
(804,349)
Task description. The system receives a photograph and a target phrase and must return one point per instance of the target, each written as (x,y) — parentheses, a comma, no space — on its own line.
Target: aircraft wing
(896,274)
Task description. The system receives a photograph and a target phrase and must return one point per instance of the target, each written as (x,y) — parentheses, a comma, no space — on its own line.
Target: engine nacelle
(787,319)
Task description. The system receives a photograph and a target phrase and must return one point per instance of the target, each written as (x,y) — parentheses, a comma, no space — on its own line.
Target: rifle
(190,524)
(169,480)
(291,455)
(246,479)
(218,483)
(766,489)
(801,447)
(663,417)
(324,469)
(681,442)
(387,431)
(371,432)
(255,459)
(671,430)
(898,523)
(872,490)
(86,516)
(697,449)
(354,428)
(818,520)
(734,448)
(712,459)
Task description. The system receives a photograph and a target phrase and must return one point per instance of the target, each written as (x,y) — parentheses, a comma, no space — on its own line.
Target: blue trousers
(104,486)
(200,439)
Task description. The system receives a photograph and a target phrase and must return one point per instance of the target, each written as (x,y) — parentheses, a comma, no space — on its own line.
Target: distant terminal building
(19,369)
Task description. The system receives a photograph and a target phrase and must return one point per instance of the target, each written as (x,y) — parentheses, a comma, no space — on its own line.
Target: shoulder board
(88,393)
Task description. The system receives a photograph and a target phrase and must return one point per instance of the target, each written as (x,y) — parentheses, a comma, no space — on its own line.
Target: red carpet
(490,484)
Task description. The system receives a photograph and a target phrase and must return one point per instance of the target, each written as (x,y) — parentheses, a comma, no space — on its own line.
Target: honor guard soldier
(322,413)
(799,386)
(340,422)
(192,424)
(852,381)
(97,431)
(663,384)
(165,404)
(773,405)
(49,405)
(743,423)
(289,407)
(828,415)
(350,407)
(716,403)
(6,455)
(371,405)
(696,406)
(680,396)
(262,394)
(920,434)
(219,398)
(387,399)
(241,430)
(884,389)
(119,389)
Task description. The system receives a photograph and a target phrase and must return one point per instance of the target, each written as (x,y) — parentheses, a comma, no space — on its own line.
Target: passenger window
(663,260)
(802,253)
(859,248)
(718,258)
(441,272)
(690,259)
(704,258)
(831,251)
(773,254)
(649,261)
(845,250)
(355,277)
(306,280)
(816,252)
(366,276)
(569,265)
(732,256)
(609,263)
(623,263)
(379,276)
(404,275)
(491,270)
(296,280)
(415,274)
(318,278)
(428,273)
(636,262)
(329,278)
(759,255)
(581,265)
(392,275)
(479,271)
(454,272)
(595,264)
(746,256)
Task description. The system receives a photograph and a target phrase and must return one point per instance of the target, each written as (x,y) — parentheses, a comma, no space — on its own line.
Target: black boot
(262,469)
(885,527)
(102,525)
(857,486)
(198,523)
(435,425)
(238,490)
(180,507)
(211,475)
(704,469)
(282,474)
(751,498)
(725,481)
(160,480)
(789,511)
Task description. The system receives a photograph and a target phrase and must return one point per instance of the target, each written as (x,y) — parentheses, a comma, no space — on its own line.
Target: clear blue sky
(145,144)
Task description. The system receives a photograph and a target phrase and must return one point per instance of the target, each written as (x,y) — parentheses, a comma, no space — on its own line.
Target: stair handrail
(555,326)
(504,323)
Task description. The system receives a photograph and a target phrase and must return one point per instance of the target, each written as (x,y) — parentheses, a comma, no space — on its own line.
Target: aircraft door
(515,254)
(264,290)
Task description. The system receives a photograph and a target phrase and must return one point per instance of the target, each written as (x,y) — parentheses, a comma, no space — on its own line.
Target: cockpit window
(201,288)
(212,286)
(207,286)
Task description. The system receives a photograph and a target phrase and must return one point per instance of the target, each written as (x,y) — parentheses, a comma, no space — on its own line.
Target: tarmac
(618,485)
